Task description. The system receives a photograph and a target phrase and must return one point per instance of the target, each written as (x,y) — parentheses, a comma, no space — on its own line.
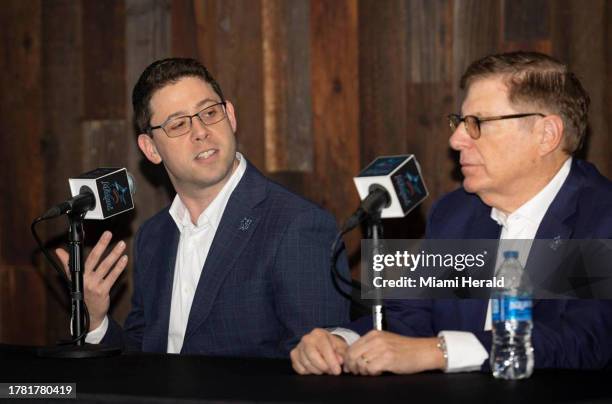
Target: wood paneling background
(321,87)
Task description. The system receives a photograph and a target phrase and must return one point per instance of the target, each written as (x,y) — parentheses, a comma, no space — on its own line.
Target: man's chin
(470,185)
(221,175)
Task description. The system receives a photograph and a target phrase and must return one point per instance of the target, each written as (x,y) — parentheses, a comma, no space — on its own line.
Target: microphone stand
(75,239)
(78,349)
(375,233)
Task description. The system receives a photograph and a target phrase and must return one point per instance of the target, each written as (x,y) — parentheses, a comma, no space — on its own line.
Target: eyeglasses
(472,123)
(180,126)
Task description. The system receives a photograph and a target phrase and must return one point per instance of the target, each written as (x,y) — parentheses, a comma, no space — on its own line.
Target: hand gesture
(99,276)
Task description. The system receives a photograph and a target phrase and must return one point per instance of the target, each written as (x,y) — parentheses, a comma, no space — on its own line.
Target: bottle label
(507,308)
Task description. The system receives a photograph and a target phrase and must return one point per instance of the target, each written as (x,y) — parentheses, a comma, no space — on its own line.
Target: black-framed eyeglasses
(472,123)
(181,125)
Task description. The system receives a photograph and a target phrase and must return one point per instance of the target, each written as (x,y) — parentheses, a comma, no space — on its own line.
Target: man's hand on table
(320,352)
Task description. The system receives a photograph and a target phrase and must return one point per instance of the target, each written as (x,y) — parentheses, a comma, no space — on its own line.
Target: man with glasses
(523,118)
(237,265)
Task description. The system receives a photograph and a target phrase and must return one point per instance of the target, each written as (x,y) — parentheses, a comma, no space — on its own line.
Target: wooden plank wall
(22,292)
(321,87)
(62,85)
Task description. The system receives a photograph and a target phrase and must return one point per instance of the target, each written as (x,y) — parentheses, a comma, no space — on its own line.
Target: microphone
(389,185)
(100,194)
(378,198)
(83,202)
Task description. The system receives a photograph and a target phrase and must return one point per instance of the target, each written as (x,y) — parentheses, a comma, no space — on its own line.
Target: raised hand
(99,275)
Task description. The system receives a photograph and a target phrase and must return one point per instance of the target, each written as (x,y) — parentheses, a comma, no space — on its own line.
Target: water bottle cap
(510,254)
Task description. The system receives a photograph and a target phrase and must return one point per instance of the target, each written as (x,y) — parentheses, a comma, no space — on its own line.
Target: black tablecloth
(172,378)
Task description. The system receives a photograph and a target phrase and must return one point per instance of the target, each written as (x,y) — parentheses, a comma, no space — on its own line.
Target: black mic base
(78,352)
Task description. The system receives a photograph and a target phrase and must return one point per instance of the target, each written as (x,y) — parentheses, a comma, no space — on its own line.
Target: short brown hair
(540,80)
(159,74)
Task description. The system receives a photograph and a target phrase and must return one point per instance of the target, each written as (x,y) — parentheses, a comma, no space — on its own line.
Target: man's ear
(551,134)
(231,115)
(148,148)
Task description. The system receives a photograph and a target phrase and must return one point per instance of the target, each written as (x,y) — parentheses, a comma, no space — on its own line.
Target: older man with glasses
(237,265)
(523,119)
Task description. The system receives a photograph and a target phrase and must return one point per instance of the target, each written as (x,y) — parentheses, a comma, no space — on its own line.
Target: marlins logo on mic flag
(114,188)
(400,176)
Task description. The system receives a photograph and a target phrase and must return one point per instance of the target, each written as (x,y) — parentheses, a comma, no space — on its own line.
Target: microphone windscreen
(131,183)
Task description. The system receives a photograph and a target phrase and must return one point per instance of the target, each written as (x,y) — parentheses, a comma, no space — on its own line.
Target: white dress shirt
(193,247)
(465,352)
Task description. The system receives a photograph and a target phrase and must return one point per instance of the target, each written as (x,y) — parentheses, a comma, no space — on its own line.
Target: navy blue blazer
(266,280)
(566,333)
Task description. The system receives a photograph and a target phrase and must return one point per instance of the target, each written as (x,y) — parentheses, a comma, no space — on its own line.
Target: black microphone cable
(337,276)
(46,253)
(377,200)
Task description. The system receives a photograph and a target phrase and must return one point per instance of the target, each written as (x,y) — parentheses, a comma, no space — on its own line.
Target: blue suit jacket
(567,333)
(265,283)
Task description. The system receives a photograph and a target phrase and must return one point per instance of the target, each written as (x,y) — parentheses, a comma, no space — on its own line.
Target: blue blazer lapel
(558,221)
(234,232)
(162,276)
(557,225)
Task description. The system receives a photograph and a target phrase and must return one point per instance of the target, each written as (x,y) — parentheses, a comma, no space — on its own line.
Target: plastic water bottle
(512,352)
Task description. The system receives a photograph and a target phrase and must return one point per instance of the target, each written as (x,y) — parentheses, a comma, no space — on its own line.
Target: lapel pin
(245,223)
(556,243)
